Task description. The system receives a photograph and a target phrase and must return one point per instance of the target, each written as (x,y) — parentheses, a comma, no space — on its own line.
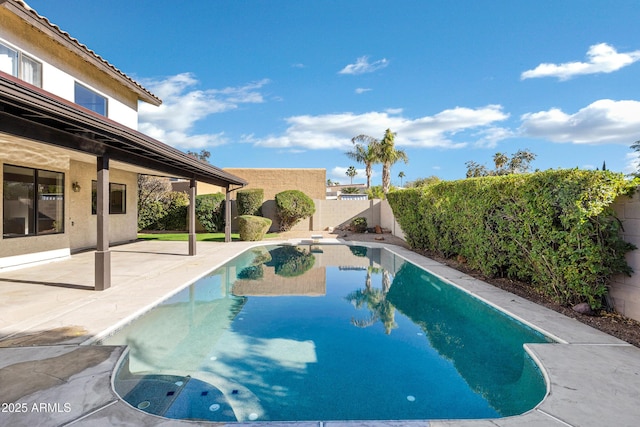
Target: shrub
(554,229)
(210,209)
(167,213)
(375,192)
(253,228)
(176,215)
(292,206)
(351,190)
(290,261)
(249,201)
(358,224)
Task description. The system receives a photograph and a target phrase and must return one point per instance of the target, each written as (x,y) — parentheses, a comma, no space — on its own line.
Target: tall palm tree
(401,175)
(365,151)
(351,172)
(388,155)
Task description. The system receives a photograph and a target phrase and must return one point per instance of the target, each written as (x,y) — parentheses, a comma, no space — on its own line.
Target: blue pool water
(326,333)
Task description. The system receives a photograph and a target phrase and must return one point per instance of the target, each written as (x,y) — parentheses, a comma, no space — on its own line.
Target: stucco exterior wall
(625,290)
(15,250)
(80,227)
(83,225)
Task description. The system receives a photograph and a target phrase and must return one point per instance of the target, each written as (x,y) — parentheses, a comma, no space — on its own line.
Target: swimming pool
(329,332)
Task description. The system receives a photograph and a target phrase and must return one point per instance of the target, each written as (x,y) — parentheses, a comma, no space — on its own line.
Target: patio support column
(227,215)
(103,254)
(192,217)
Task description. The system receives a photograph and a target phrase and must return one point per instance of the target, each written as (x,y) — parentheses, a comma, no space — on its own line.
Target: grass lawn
(184,237)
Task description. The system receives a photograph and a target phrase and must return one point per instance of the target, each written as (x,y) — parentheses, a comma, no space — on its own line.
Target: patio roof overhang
(35,114)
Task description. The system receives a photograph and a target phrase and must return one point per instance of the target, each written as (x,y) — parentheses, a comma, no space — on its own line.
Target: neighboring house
(70,153)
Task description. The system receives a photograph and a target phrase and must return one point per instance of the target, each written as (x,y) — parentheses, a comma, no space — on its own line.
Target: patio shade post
(103,254)
(192,217)
(227,215)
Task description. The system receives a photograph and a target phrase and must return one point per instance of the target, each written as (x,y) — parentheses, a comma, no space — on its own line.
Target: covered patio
(28,113)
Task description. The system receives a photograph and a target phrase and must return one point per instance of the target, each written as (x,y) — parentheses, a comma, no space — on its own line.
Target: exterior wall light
(76,187)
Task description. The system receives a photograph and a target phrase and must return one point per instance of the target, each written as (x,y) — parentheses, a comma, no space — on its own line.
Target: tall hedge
(210,209)
(249,201)
(292,206)
(554,229)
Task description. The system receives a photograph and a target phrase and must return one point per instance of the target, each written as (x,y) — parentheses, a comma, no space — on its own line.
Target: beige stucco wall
(80,228)
(625,290)
(83,225)
(13,152)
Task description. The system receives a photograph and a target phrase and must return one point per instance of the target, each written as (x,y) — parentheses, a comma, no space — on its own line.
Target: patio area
(49,376)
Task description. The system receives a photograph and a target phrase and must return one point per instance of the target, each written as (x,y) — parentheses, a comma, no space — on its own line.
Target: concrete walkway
(47,378)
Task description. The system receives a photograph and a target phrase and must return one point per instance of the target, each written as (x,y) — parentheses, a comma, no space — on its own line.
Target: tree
(365,151)
(423,182)
(203,155)
(519,162)
(351,172)
(388,155)
(636,148)
(401,175)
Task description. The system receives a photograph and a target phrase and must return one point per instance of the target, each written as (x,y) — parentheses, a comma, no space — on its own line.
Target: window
(117,198)
(90,99)
(20,65)
(33,202)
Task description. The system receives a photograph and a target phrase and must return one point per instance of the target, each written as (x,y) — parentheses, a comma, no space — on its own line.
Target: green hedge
(292,206)
(554,229)
(253,228)
(210,209)
(250,201)
(167,214)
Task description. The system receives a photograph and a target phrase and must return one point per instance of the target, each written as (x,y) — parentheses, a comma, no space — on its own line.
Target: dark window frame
(34,214)
(112,210)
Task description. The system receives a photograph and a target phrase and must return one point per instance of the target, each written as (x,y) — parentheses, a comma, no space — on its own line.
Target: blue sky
(289,83)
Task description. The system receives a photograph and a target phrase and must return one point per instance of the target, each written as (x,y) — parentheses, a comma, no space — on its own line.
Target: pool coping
(592,377)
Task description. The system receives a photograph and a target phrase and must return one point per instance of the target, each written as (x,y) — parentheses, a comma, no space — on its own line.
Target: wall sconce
(75,186)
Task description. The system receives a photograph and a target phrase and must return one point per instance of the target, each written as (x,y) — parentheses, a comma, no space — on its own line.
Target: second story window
(20,65)
(90,99)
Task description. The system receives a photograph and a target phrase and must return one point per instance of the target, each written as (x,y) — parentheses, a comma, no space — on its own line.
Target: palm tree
(388,155)
(351,172)
(401,175)
(365,151)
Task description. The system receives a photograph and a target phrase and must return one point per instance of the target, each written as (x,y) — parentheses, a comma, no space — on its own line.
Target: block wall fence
(624,290)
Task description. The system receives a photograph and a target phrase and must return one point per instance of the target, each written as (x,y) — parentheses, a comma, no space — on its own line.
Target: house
(70,153)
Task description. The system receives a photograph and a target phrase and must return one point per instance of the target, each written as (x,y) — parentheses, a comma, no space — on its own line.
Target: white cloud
(363,66)
(601,58)
(184,105)
(362,90)
(632,163)
(334,131)
(604,121)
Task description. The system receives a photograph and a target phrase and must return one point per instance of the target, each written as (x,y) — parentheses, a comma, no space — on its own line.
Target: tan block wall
(388,220)
(311,182)
(625,290)
(337,213)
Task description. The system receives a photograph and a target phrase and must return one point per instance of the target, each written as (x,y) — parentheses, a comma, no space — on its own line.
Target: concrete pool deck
(49,376)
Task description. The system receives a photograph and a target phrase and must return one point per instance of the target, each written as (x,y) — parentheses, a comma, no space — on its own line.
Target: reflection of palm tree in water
(375,300)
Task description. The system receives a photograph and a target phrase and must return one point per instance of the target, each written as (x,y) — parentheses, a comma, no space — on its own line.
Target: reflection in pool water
(327,333)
